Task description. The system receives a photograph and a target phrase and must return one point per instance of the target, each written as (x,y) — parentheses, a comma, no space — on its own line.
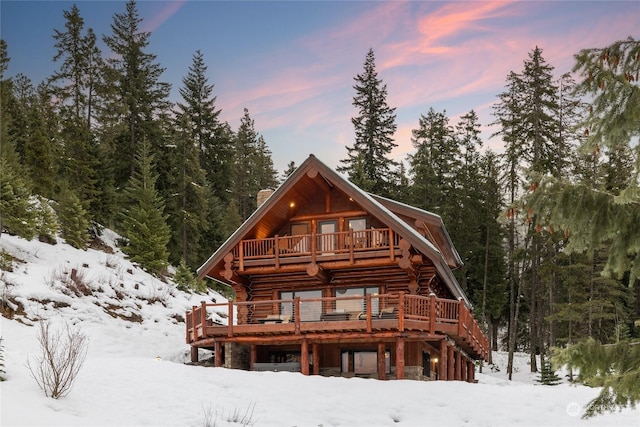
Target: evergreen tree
(547,375)
(291,168)
(144,222)
(367,164)
(74,86)
(614,367)
(188,207)
(434,164)
(186,281)
(133,98)
(74,221)
(253,168)
(47,226)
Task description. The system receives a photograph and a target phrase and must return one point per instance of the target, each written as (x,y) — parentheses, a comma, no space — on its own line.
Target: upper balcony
(312,248)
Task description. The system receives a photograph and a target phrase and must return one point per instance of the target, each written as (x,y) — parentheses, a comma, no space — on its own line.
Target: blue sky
(292,63)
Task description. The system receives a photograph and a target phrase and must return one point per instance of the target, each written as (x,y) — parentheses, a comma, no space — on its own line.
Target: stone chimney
(263,195)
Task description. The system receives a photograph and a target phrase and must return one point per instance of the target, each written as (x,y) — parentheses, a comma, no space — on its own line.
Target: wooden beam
(304,357)
(315,352)
(314,270)
(194,354)
(450,362)
(443,361)
(253,356)
(458,372)
(382,365)
(400,358)
(217,354)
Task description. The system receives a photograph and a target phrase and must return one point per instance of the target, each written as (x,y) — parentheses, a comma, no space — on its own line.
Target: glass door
(327,237)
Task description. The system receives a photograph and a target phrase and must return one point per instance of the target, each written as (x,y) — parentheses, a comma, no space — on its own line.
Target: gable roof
(268,217)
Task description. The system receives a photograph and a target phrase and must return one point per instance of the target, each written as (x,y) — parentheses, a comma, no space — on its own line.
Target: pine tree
(74,221)
(367,164)
(144,223)
(614,367)
(186,281)
(548,375)
(133,98)
(74,85)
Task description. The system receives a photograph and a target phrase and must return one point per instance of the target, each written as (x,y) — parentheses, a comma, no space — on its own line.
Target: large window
(364,362)
(358,305)
(309,311)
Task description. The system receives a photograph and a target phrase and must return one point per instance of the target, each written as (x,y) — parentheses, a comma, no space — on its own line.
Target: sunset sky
(292,63)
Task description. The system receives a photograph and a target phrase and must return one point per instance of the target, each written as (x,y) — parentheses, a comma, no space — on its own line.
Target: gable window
(357,305)
(309,310)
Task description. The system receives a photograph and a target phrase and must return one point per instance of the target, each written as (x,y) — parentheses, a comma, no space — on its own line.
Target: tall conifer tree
(368,164)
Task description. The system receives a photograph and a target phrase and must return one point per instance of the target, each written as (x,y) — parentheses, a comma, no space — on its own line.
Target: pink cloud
(169,9)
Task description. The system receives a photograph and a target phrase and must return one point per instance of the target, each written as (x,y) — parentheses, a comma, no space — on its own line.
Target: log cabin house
(331,280)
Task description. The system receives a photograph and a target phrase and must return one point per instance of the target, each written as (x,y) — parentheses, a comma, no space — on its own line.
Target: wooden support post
(463,368)
(368,310)
(230,319)
(451,363)
(203,318)
(217,354)
(401,311)
(471,371)
(276,250)
(443,361)
(253,356)
(432,313)
(400,358)
(458,373)
(304,357)
(391,245)
(194,354)
(296,314)
(382,365)
(315,352)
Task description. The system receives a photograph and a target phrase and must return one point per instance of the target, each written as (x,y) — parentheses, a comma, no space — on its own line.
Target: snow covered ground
(134,373)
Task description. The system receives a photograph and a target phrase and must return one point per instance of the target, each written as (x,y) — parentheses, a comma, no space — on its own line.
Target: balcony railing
(345,242)
(401,312)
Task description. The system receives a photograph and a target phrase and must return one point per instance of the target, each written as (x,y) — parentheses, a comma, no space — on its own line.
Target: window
(364,362)
(358,305)
(309,310)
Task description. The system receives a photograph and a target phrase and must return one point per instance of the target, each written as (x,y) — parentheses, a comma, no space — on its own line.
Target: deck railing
(436,315)
(343,242)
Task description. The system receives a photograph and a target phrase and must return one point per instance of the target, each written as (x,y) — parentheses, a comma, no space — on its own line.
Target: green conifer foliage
(144,223)
(548,375)
(74,220)
(367,161)
(614,367)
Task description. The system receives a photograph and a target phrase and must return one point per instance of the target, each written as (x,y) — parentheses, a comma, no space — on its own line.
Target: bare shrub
(74,282)
(244,418)
(6,290)
(63,354)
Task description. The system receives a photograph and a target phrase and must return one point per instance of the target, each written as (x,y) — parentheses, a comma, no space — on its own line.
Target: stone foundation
(236,356)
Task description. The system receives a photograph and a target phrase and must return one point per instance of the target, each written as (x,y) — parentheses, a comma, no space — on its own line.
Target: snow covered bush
(63,353)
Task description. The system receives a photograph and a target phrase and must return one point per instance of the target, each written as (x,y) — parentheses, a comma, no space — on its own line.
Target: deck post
(253,356)
(463,368)
(304,357)
(276,250)
(315,356)
(401,311)
(391,245)
(461,318)
(458,373)
(399,358)
(194,354)
(471,371)
(382,365)
(444,361)
(451,363)
(368,312)
(230,319)
(217,354)
(432,313)
(296,314)
(203,318)
(193,322)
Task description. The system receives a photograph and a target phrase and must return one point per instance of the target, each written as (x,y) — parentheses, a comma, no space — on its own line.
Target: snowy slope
(135,375)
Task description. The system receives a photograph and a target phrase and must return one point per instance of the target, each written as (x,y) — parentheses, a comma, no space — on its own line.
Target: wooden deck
(382,316)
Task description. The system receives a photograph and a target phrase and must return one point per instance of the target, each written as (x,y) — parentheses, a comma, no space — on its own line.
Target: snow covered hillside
(135,375)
